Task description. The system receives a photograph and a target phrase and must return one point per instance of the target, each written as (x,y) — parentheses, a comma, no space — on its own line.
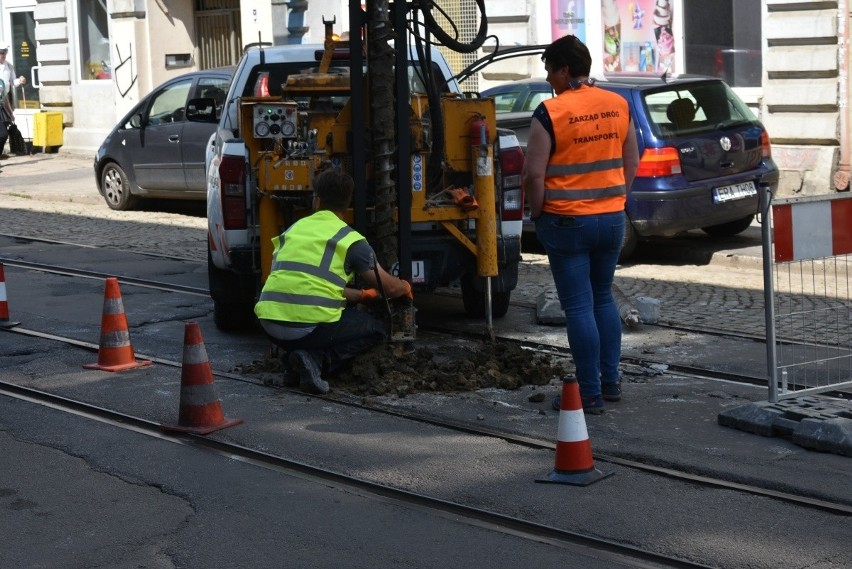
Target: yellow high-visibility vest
(308,277)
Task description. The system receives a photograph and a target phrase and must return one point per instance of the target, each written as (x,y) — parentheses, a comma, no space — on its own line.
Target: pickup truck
(438,258)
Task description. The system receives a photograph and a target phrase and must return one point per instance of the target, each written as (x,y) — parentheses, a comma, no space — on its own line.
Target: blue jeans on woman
(583,251)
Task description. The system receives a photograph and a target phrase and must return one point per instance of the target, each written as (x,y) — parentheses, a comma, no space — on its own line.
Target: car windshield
(691,109)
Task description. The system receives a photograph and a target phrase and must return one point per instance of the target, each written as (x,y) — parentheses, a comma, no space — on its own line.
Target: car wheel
(232,309)
(116,188)
(629,243)
(729,229)
(474,301)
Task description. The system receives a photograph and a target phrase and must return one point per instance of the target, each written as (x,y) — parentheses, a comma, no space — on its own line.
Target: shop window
(730,48)
(94,40)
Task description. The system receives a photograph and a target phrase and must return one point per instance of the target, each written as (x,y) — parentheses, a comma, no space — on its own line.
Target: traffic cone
(200,409)
(574,462)
(115,352)
(4,304)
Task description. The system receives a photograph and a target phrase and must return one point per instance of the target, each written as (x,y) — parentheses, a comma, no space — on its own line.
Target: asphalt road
(78,494)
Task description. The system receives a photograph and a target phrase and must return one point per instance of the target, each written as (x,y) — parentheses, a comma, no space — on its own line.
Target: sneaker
(310,378)
(611,391)
(593,405)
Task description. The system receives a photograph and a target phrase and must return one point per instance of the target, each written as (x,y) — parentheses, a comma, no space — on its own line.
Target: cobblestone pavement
(725,294)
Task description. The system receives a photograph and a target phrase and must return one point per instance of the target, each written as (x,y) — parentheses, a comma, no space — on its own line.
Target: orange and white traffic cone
(4,303)
(200,409)
(574,462)
(115,353)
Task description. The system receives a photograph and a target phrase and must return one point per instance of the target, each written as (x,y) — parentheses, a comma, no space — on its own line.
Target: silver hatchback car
(154,152)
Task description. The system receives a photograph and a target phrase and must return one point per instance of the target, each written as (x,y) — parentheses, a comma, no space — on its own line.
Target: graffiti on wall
(638,36)
(124,73)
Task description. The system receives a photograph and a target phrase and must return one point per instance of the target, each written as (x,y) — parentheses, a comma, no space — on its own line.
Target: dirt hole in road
(435,365)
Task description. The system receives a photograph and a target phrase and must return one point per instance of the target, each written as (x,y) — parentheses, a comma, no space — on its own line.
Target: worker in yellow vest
(582,156)
(307,306)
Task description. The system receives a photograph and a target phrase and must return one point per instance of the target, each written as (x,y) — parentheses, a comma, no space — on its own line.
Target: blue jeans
(583,251)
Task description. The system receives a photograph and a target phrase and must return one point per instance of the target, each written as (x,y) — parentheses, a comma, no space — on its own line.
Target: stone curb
(815,422)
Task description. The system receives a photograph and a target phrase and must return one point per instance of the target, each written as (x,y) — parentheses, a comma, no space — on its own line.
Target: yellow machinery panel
(47,129)
(458,116)
(281,175)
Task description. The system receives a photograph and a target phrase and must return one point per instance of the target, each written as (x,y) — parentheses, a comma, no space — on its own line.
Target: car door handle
(174,138)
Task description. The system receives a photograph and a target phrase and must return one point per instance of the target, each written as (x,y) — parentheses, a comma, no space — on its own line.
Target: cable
(451,42)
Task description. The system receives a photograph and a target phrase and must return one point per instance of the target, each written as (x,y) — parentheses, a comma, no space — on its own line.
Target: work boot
(310,377)
(591,405)
(611,391)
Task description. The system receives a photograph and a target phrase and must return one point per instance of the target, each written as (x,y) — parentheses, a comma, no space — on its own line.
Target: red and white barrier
(812,229)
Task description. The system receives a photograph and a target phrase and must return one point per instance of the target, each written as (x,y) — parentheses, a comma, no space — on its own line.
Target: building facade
(788,60)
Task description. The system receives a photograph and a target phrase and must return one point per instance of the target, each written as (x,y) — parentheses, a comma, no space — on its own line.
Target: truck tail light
(512,167)
(659,162)
(765,146)
(262,87)
(232,185)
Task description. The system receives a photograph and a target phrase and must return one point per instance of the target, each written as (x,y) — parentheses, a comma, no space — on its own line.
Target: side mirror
(201,110)
(135,121)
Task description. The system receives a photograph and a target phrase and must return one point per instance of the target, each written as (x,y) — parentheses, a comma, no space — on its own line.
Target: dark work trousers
(4,134)
(335,343)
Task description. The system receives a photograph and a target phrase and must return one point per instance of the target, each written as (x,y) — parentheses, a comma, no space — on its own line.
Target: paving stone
(758,418)
(548,311)
(812,421)
(831,435)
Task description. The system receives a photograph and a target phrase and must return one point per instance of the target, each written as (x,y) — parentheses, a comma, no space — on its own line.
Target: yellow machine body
(289,142)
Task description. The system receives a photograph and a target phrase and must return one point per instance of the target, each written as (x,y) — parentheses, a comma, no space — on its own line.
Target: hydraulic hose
(451,42)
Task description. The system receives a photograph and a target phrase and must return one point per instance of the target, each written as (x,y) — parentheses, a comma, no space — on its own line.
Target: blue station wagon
(703,153)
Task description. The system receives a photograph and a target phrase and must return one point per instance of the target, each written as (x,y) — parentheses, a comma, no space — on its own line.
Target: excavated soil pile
(429,366)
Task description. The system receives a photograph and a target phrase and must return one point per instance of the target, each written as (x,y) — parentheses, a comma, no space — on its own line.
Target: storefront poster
(568,17)
(638,36)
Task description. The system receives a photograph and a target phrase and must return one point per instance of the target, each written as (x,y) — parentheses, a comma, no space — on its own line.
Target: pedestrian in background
(9,82)
(581,158)
(307,306)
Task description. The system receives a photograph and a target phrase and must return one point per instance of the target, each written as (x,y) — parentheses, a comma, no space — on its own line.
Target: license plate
(734,192)
(418,271)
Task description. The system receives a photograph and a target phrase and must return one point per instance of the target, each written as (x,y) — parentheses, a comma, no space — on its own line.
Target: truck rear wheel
(232,311)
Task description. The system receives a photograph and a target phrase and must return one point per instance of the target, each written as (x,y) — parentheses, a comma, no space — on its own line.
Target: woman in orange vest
(581,158)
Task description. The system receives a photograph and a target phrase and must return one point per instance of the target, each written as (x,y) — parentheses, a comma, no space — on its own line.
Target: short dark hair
(568,51)
(334,188)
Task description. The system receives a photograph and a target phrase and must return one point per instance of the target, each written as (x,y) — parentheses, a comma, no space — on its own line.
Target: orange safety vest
(585,174)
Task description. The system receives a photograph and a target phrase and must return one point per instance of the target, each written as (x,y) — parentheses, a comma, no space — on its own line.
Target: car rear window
(690,109)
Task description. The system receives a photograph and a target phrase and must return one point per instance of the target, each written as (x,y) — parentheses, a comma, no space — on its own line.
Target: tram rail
(805,501)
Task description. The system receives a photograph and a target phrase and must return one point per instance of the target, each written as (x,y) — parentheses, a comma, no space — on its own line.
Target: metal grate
(813,312)
(465,16)
(808,293)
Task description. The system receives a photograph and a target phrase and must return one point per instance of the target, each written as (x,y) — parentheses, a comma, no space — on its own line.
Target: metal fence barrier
(807,269)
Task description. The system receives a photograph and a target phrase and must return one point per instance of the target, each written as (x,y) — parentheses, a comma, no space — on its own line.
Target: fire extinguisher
(479,130)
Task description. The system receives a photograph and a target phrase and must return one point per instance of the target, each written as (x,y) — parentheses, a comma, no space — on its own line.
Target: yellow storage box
(47,129)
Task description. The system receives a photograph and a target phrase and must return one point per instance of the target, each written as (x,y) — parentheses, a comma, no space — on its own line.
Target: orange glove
(369,295)
(410,294)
